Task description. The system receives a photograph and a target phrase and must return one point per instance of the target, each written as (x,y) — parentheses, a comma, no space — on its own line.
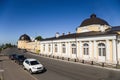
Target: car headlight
(33,68)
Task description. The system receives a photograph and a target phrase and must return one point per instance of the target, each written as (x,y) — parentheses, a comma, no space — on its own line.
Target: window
(63,48)
(86,49)
(73,48)
(102,49)
(34,62)
(55,47)
(44,47)
(49,48)
(27,62)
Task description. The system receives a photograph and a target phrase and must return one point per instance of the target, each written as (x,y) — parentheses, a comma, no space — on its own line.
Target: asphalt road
(64,70)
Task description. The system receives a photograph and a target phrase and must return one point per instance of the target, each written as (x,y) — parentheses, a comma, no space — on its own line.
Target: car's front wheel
(30,71)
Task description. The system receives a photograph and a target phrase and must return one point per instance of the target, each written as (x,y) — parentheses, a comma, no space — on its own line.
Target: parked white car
(33,65)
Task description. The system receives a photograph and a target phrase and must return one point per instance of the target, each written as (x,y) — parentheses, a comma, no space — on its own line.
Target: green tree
(38,38)
(7,45)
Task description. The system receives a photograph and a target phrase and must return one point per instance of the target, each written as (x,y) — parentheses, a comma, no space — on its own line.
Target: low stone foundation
(102,64)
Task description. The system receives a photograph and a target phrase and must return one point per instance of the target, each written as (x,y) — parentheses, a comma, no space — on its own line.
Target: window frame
(102,49)
(63,48)
(86,49)
(74,50)
(49,48)
(56,48)
(44,47)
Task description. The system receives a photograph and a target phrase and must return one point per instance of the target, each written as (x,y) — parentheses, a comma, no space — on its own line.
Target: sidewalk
(12,71)
(1,68)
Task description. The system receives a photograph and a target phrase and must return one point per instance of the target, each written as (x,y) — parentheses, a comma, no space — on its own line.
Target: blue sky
(46,17)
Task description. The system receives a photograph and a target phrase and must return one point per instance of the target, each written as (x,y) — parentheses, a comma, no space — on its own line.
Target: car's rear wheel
(23,67)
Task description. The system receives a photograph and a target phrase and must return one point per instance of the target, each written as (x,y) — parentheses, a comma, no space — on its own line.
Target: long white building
(94,40)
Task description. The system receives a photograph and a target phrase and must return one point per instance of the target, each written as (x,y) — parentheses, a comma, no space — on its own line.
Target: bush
(37,51)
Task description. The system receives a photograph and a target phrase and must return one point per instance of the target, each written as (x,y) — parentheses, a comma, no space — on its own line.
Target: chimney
(68,33)
(57,34)
(63,34)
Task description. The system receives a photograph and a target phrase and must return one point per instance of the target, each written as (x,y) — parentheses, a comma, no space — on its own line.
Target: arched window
(63,48)
(49,48)
(44,47)
(56,48)
(86,49)
(102,49)
(73,48)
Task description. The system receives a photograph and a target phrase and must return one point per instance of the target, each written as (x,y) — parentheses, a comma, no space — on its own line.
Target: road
(64,70)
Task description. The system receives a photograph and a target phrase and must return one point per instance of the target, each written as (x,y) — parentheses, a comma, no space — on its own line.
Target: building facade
(94,40)
(25,42)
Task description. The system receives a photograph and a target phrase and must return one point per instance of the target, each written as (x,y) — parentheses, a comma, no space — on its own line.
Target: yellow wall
(111,51)
(31,46)
(91,28)
(22,44)
(92,50)
(118,32)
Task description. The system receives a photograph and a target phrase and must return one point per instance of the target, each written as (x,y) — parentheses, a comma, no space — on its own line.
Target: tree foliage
(38,38)
(7,45)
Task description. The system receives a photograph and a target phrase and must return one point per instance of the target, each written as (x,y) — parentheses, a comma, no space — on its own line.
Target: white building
(94,40)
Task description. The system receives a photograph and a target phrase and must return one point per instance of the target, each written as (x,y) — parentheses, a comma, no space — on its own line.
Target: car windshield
(13,54)
(21,56)
(34,62)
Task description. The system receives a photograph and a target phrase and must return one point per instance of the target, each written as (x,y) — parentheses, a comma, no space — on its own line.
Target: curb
(107,68)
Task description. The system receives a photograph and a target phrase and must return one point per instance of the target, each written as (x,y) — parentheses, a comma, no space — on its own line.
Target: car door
(27,64)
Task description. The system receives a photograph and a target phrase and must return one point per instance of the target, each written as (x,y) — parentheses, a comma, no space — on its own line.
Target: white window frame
(74,50)
(63,48)
(56,48)
(86,49)
(49,48)
(102,49)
